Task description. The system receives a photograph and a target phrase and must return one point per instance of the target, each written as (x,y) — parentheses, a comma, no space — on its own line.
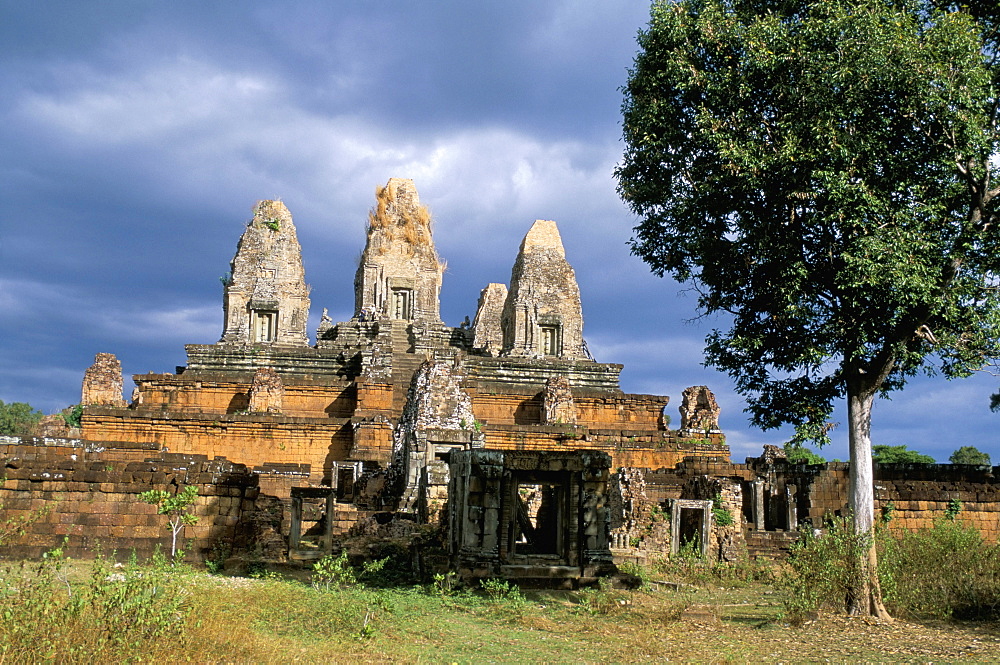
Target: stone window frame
(550,339)
(705,507)
(402,303)
(257,317)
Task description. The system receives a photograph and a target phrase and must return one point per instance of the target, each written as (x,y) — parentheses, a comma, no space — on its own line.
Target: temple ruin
(505,432)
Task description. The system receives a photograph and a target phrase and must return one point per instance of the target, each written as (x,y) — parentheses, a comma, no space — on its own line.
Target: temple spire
(266,299)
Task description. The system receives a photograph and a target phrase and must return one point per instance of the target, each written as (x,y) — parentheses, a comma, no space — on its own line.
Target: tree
(175,507)
(970,455)
(882,454)
(820,174)
(18,418)
(799,454)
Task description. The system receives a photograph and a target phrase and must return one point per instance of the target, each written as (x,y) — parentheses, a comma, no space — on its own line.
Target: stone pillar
(267,392)
(102,382)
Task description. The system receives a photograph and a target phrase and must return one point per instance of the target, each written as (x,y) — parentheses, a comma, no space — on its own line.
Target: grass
(86,612)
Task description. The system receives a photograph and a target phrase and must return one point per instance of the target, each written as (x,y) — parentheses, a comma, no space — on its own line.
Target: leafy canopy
(820,173)
(18,418)
(899,455)
(969,455)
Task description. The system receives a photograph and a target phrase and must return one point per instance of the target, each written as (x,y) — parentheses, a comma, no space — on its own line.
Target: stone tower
(486,332)
(542,316)
(399,275)
(266,299)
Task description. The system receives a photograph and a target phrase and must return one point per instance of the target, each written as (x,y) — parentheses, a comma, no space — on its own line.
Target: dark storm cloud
(137,136)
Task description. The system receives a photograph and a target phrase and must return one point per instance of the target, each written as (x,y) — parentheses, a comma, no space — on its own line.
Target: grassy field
(85,612)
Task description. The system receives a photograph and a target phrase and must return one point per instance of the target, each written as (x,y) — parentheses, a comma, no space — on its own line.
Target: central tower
(399,274)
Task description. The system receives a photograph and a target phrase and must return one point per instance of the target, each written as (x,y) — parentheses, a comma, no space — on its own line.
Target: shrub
(115,615)
(947,571)
(822,570)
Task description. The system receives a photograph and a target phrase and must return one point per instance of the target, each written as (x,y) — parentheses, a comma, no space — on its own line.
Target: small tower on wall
(399,275)
(486,331)
(542,316)
(266,299)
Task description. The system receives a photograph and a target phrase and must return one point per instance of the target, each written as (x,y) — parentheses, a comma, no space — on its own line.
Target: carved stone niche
(102,382)
(699,410)
(558,405)
(267,392)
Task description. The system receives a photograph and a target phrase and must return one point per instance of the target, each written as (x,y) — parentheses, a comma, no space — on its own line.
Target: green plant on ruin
(721,515)
(176,507)
(952,510)
(72,415)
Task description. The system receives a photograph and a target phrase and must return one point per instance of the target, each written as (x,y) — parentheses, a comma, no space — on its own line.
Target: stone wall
(89,495)
(253,439)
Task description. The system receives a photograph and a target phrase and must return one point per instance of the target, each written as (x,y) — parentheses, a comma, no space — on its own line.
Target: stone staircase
(771,545)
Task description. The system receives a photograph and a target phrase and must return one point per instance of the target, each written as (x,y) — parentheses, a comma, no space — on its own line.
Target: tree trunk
(866,600)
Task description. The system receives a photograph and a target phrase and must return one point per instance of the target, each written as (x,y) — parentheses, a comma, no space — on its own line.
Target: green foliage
(947,571)
(115,615)
(18,418)
(504,597)
(72,415)
(175,507)
(798,454)
(823,570)
(969,455)
(721,515)
(337,571)
(823,175)
(835,217)
(952,510)
(690,567)
(899,455)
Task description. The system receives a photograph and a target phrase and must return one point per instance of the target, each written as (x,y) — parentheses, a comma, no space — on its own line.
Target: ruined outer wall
(249,439)
(918,493)
(92,493)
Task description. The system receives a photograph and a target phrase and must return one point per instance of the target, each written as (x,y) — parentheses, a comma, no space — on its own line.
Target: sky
(138,135)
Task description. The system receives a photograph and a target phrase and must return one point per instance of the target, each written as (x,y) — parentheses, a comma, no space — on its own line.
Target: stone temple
(505,432)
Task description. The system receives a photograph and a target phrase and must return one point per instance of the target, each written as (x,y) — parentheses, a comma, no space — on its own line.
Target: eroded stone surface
(102,382)
(399,275)
(486,330)
(267,392)
(542,315)
(437,415)
(699,410)
(557,402)
(266,298)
